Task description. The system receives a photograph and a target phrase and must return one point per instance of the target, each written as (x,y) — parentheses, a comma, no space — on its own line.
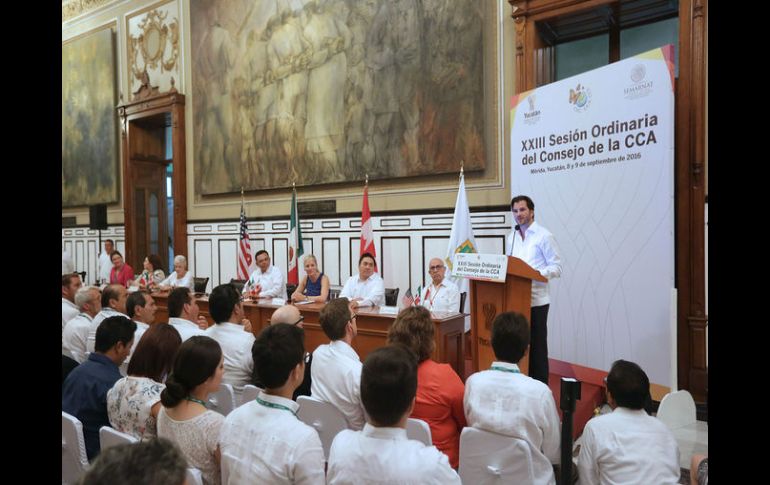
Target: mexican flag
(295,242)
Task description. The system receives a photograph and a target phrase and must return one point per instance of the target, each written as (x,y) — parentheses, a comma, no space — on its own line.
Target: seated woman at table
(179,277)
(439,400)
(121,273)
(314,286)
(152,275)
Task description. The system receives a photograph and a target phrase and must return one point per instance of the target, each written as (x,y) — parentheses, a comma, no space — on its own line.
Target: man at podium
(536,246)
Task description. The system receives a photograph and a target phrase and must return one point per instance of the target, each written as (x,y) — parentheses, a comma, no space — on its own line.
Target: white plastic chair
(417,429)
(74,461)
(491,458)
(324,417)
(194,476)
(249,393)
(112,437)
(677,409)
(223,401)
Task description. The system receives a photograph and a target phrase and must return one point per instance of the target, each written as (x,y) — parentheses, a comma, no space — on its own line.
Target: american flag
(408,299)
(245,258)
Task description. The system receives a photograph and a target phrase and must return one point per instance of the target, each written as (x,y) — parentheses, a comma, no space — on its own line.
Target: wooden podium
(489,298)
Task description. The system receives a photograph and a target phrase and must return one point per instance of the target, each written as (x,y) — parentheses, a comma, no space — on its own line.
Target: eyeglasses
(301,317)
(307,358)
(436,268)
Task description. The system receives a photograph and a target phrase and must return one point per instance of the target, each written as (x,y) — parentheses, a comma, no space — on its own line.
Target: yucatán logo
(533,115)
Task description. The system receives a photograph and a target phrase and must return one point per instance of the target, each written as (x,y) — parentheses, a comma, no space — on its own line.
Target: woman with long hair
(184,419)
(133,403)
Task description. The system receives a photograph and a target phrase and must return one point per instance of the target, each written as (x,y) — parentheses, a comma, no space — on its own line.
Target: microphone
(516,227)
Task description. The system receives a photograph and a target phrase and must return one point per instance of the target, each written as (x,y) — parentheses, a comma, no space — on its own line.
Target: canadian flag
(367,235)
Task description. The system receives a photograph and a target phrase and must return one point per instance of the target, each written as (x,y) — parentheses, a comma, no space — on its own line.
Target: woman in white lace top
(184,419)
(179,277)
(133,402)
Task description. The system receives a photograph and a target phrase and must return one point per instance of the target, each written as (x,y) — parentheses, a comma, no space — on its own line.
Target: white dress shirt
(105,267)
(185,327)
(539,250)
(68,312)
(628,446)
(272,282)
(175,282)
(442,298)
(98,319)
(372,290)
(266,443)
(236,347)
(74,339)
(336,379)
(386,455)
(506,402)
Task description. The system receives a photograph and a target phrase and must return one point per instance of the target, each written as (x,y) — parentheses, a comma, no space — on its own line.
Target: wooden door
(150,215)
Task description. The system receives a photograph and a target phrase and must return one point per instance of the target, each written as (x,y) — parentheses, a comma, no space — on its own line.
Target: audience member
(70,284)
(381,452)
(627,445)
(439,400)
(152,274)
(226,308)
(156,462)
(314,286)
(122,273)
(290,314)
(263,439)
(699,470)
(266,281)
(113,305)
(336,372)
(507,402)
(180,277)
(133,403)
(141,308)
(184,419)
(183,313)
(74,339)
(366,288)
(442,295)
(68,364)
(84,394)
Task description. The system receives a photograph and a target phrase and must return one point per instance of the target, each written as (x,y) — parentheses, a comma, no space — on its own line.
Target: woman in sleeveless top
(314,286)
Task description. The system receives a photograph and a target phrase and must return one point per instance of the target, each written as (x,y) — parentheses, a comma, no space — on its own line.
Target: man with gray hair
(75,336)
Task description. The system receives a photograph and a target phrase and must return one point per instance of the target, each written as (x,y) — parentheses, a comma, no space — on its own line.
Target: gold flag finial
(367,179)
(461,168)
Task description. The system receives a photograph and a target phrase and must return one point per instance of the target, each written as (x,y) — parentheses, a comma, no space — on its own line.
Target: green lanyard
(506,369)
(192,399)
(275,406)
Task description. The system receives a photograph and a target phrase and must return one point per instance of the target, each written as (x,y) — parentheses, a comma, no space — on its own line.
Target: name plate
(389,310)
(278,301)
(486,267)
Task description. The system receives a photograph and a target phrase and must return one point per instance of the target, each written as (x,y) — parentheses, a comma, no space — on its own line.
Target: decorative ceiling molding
(74,8)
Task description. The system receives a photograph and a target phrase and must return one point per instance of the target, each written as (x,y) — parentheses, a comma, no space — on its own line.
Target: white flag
(461,240)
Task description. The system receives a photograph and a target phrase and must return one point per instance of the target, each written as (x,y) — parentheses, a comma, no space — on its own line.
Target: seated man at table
(266,281)
(70,284)
(442,294)
(230,331)
(290,314)
(366,288)
(381,452)
(183,313)
(336,368)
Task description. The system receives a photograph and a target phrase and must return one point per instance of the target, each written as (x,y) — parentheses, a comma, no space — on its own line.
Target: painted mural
(89,121)
(325,91)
